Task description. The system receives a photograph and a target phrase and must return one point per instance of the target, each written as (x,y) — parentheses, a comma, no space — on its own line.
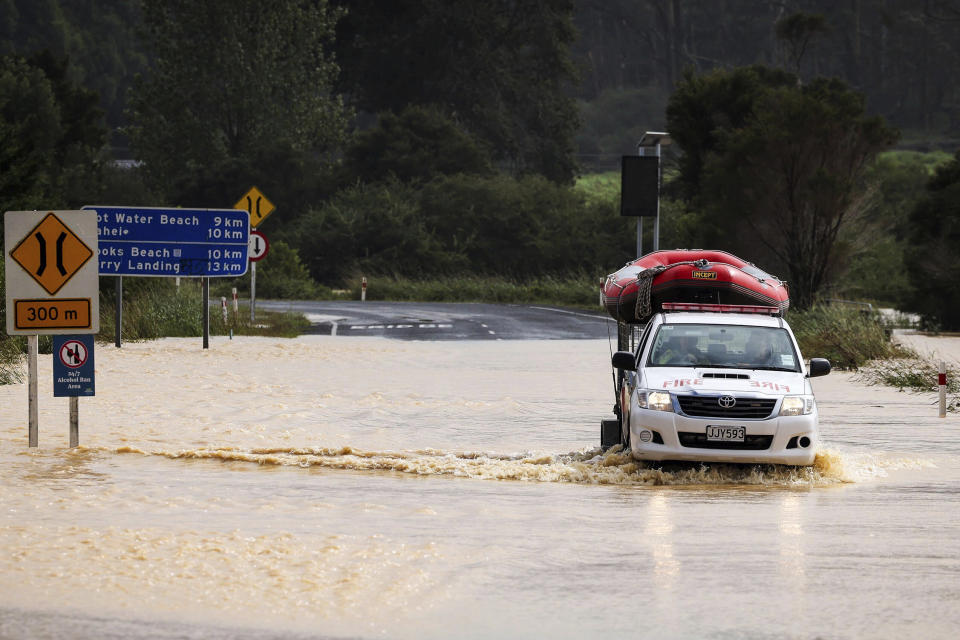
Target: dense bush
(281,274)
(845,336)
(462,224)
(932,259)
(415,145)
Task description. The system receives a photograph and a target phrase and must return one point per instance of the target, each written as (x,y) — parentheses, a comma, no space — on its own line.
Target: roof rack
(720,308)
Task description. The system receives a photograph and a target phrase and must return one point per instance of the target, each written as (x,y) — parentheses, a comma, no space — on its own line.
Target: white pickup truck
(717,383)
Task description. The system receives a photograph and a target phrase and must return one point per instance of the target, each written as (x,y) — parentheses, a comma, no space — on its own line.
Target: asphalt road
(448,321)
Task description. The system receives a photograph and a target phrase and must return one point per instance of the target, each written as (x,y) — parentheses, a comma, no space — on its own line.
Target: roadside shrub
(11,361)
(912,372)
(847,337)
(280,275)
(524,227)
(153,308)
(11,352)
(462,225)
(373,228)
(415,145)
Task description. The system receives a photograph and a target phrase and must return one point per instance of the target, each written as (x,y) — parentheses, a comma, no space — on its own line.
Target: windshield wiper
(773,369)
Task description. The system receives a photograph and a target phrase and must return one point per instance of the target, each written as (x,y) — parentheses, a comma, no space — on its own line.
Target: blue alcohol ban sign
(73,366)
(147,241)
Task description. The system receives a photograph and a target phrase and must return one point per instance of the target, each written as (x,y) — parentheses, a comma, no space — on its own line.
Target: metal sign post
(206,312)
(32,408)
(253,292)
(256,251)
(942,384)
(118,312)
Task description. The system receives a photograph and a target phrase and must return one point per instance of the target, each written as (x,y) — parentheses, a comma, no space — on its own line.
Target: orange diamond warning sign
(51,253)
(256,204)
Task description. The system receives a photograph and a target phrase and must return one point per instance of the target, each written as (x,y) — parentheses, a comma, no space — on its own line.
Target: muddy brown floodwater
(374,488)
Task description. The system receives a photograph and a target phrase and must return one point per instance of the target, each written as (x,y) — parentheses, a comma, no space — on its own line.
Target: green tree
(501,69)
(782,172)
(417,144)
(51,135)
(932,259)
(231,78)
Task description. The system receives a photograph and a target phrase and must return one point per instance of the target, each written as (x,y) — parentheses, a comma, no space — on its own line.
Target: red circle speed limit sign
(258,246)
(73,354)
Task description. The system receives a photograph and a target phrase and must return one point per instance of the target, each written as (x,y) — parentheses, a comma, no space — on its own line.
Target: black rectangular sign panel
(639,185)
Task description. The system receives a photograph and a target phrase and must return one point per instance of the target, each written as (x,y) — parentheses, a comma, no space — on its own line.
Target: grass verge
(158,308)
(580,291)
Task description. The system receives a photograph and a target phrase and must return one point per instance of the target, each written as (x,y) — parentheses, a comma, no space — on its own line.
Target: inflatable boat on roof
(641,287)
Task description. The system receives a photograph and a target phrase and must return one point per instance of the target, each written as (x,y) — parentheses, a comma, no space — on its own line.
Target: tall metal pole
(639,236)
(32,410)
(74,422)
(253,292)
(656,221)
(206,312)
(650,144)
(118,312)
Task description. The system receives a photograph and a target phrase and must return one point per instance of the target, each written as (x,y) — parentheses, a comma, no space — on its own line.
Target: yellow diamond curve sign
(51,253)
(256,204)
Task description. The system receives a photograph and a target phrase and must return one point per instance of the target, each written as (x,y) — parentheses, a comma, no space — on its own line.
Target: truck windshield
(726,346)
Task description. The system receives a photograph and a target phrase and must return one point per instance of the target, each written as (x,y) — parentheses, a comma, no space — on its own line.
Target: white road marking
(574,313)
(431,325)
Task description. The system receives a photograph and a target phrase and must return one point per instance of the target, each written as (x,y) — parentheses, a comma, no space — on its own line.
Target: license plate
(726,434)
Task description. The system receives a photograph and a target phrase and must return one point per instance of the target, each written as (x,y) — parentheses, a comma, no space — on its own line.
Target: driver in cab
(680,350)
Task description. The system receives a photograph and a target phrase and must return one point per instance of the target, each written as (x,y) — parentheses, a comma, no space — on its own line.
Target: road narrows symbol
(257,205)
(70,253)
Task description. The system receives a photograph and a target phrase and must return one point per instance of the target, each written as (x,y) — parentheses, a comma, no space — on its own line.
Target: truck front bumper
(672,436)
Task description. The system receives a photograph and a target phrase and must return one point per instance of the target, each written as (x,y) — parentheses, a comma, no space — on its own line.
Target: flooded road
(362,487)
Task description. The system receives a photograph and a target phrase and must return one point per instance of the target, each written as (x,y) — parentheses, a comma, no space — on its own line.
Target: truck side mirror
(818,367)
(625,360)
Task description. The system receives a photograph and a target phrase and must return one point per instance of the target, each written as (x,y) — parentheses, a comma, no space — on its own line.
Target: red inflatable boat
(638,290)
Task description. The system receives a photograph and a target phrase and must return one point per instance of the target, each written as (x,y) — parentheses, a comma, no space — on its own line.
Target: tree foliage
(51,135)
(415,145)
(932,258)
(98,37)
(500,69)
(782,169)
(902,54)
(461,225)
(231,78)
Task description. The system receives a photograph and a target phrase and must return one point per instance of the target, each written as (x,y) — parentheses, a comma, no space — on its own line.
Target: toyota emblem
(726,401)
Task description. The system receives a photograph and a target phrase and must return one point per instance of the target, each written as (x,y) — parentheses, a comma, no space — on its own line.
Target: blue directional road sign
(73,366)
(147,241)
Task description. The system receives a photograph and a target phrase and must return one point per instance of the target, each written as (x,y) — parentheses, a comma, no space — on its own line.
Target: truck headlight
(796,405)
(656,400)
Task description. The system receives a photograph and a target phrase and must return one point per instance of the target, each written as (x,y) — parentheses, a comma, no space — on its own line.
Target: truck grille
(709,407)
(699,440)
